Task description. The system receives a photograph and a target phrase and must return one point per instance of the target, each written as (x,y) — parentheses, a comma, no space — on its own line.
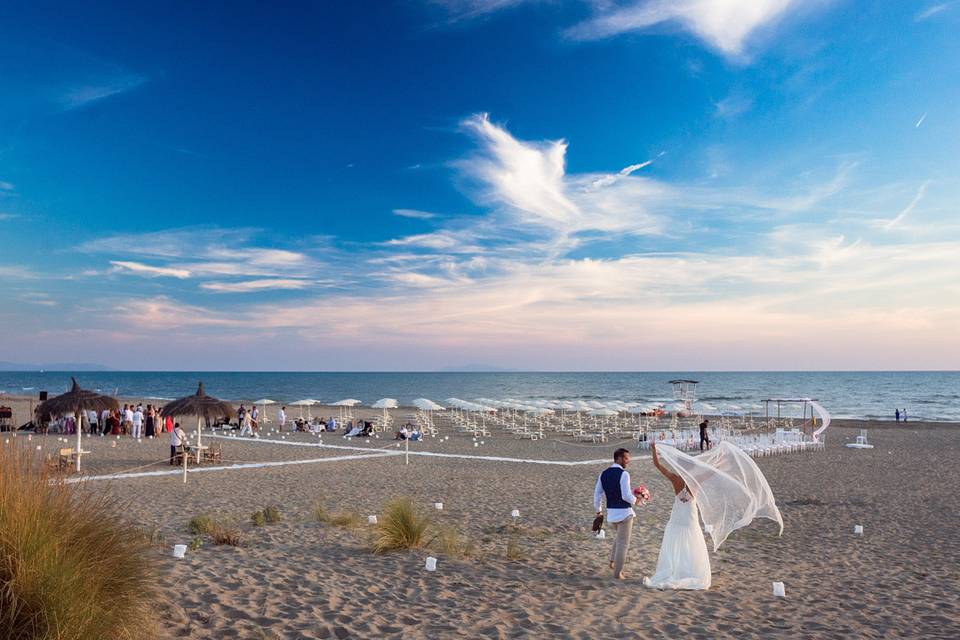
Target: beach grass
(401,526)
(70,567)
(200,524)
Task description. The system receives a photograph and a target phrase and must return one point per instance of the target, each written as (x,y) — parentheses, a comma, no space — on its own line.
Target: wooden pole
(79,428)
(406,444)
(185,456)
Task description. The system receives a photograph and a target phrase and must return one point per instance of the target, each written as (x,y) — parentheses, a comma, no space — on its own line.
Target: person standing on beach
(282,417)
(127,419)
(897,415)
(704,436)
(138,422)
(614,486)
(255,420)
(904,414)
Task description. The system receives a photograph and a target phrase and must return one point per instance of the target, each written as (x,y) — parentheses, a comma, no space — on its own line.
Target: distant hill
(476,368)
(54,366)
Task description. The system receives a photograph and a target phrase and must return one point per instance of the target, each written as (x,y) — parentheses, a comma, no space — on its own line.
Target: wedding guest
(614,485)
(150,426)
(282,418)
(255,419)
(127,424)
(177,438)
(897,415)
(167,424)
(137,422)
(704,436)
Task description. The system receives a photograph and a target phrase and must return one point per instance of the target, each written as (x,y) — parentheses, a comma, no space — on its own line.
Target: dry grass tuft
(449,541)
(258,519)
(272,515)
(400,527)
(70,567)
(515,550)
(225,534)
(200,525)
(346,519)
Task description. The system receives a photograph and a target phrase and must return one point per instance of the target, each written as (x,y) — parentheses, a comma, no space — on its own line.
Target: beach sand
(303,579)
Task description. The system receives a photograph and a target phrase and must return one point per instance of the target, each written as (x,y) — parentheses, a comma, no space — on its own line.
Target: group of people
(249,421)
(901,414)
(132,420)
(408,432)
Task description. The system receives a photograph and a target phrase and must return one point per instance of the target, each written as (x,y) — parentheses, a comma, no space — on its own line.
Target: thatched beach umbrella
(77,401)
(202,406)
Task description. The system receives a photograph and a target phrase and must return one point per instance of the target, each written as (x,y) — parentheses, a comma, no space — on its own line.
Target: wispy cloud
(150,271)
(920,121)
(8,216)
(248,286)
(414,213)
(732,106)
(6,186)
(470,9)
(725,25)
(907,210)
(82,95)
(931,11)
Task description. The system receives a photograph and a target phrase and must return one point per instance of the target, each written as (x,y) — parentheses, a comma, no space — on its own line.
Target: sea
(926,395)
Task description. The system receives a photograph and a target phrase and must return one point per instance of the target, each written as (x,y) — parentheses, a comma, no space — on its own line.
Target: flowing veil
(728,485)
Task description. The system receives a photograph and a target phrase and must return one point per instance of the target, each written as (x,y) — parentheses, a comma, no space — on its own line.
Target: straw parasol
(75,401)
(201,405)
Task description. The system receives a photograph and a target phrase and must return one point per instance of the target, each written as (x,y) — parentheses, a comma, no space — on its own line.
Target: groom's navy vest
(610,480)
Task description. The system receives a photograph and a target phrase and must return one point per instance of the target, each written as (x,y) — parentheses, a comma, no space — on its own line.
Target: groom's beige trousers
(621,542)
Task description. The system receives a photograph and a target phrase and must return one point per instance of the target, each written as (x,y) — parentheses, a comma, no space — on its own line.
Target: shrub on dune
(70,567)
(400,527)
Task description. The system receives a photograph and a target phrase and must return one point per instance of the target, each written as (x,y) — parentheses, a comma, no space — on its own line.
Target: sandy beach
(303,579)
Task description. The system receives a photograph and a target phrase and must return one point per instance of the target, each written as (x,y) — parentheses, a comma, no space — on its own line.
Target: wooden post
(185,456)
(406,455)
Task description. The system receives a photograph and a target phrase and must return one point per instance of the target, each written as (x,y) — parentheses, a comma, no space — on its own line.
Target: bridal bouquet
(642,494)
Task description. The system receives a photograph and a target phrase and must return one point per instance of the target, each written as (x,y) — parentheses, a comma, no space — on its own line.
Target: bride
(726,489)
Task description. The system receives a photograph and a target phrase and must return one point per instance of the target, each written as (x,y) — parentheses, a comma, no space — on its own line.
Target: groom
(614,485)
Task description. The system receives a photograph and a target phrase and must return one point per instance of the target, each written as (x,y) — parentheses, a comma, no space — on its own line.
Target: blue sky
(696,184)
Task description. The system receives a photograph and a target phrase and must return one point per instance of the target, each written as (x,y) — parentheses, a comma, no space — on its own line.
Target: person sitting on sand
(402,434)
(415,435)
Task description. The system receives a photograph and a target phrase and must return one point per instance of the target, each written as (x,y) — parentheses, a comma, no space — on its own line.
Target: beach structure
(264,402)
(77,402)
(386,404)
(306,402)
(204,407)
(686,392)
(861,441)
(346,405)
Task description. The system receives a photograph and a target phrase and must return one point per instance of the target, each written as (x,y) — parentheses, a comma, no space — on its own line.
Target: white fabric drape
(729,487)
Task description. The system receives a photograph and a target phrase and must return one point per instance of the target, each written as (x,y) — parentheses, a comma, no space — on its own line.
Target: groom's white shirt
(616,515)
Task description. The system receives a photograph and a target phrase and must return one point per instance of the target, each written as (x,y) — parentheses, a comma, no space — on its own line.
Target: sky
(526,184)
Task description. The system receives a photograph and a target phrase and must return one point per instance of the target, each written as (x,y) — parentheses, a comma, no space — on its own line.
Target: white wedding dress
(683,562)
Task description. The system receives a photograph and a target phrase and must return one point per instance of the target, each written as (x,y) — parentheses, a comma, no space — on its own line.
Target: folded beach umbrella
(306,402)
(202,406)
(75,402)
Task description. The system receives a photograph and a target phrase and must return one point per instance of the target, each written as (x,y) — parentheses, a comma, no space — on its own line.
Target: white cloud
(248,286)
(723,24)
(8,216)
(732,106)
(909,208)
(931,11)
(528,181)
(82,95)
(414,213)
(150,271)
(5,186)
(468,9)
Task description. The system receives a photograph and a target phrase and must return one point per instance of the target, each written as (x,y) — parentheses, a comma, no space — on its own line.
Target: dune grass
(258,519)
(225,534)
(344,519)
(70,567)
(401,526)
(200,524)
(272,515)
